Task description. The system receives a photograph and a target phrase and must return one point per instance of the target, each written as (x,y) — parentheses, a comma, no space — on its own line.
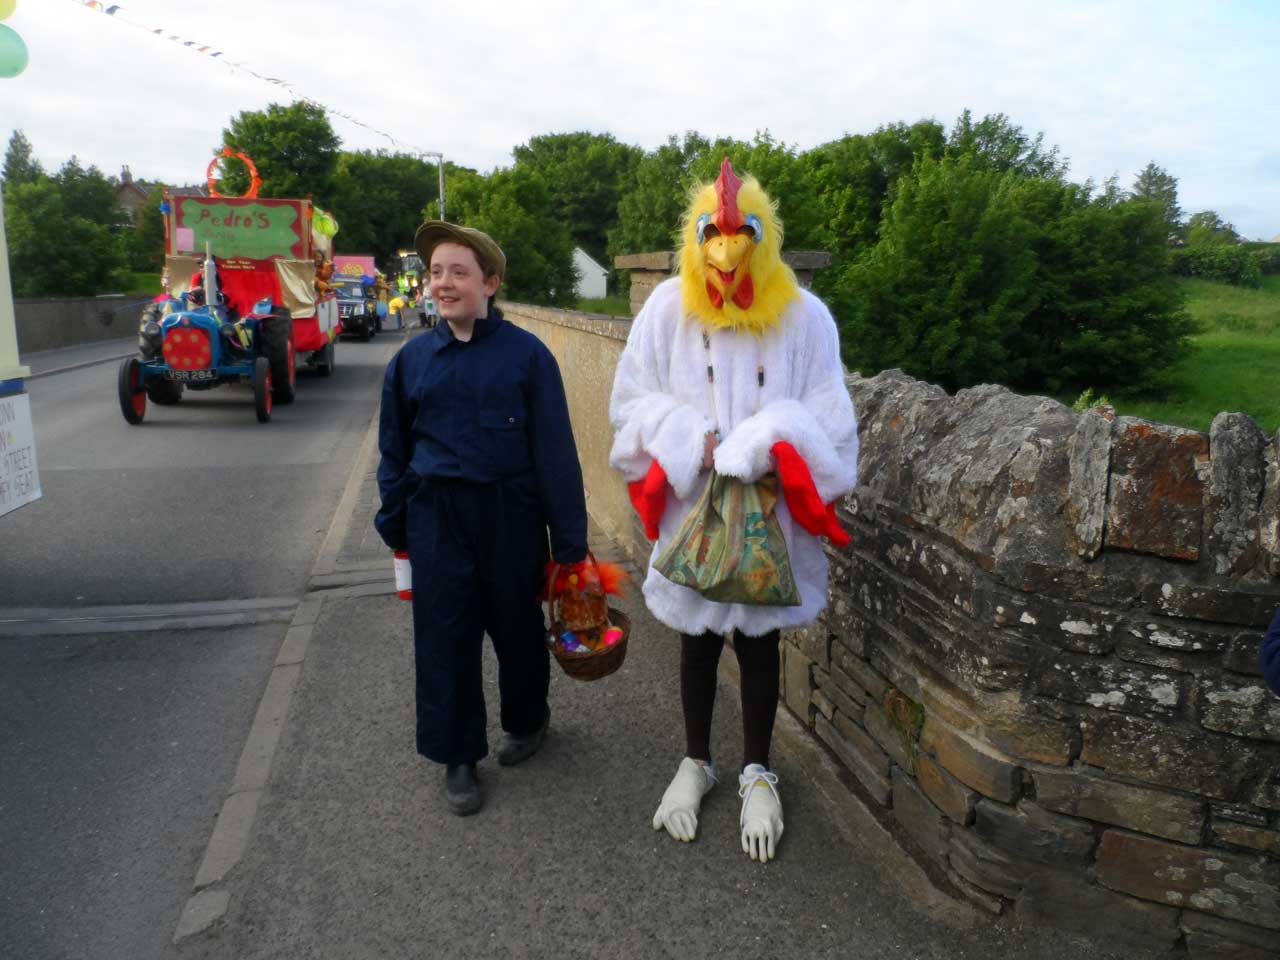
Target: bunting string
(117,13)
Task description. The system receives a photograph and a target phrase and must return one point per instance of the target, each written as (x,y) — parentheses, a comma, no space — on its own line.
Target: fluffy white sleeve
(649,422)
(820,422)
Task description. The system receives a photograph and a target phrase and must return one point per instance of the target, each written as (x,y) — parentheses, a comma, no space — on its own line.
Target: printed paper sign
(19,478)
(185,240)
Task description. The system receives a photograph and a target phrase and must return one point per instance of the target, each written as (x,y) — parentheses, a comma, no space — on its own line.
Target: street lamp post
(440,169)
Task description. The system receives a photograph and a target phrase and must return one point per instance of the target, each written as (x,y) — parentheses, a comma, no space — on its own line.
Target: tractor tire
(133,395)
(164,393)
(282,354)
(262,389)
(325,360)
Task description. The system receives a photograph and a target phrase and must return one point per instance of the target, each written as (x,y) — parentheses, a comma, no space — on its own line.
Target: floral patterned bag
(730,547)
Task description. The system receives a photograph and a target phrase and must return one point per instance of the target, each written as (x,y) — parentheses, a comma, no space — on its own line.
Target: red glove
(649,497)
(802,497)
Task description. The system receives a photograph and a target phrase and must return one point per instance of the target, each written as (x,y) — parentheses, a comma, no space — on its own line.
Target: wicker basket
(591,664)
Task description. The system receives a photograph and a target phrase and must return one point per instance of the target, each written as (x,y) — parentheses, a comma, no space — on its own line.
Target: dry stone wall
(1040,658)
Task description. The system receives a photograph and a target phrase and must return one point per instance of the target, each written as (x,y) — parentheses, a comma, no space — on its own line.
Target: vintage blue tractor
(185,344)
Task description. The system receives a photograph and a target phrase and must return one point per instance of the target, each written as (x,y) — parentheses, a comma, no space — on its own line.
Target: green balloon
(6,8)
(13,53)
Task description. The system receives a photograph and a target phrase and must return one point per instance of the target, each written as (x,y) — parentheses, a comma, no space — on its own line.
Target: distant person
(478,463)
(1271,655)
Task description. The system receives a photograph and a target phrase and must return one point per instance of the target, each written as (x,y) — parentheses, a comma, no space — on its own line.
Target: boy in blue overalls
(478,462)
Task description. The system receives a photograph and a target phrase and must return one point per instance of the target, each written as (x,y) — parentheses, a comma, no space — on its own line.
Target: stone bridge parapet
(1040,658)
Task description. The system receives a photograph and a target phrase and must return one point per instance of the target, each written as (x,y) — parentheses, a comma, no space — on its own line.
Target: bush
(989,276)
(1267,255)
(1225,264)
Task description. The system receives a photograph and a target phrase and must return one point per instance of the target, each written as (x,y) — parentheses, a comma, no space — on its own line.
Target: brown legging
(758,683)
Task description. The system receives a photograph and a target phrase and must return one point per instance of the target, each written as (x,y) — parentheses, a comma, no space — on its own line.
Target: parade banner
(256,230)
(19,477)
(349,266)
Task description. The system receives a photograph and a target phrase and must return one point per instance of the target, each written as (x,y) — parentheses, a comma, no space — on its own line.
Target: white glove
(678,811)
(761,818)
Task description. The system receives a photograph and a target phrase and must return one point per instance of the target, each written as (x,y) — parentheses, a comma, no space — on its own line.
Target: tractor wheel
(262,389)
(133,396)
(280,350)
(164,393)
(325,360)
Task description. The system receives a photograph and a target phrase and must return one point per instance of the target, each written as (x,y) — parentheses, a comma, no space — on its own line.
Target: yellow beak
(725,253)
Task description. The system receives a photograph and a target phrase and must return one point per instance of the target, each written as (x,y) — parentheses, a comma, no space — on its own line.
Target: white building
(591,276)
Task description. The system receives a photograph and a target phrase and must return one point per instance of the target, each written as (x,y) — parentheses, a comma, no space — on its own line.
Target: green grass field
(1235,361)
(617,306)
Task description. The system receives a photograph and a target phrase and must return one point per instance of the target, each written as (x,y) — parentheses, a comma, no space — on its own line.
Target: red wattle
(716,297)
(745,295)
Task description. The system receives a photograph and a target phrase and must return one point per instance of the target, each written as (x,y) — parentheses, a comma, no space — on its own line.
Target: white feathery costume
(661,408)
(733,347)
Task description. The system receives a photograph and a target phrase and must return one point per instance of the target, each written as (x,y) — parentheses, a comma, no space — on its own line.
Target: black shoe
(462,789)
(513,749)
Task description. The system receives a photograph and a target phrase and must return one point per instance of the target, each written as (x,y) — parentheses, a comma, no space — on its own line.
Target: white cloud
(1114,85)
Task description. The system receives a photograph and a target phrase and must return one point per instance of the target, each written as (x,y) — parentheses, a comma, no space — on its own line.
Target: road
(120,738)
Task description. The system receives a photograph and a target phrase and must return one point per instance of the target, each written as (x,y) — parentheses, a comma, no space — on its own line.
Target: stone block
(832,693)
(1212,938)
(845,624)
(1243,654)
(1155,497)
(868,764)
(821,703)
(1169,755)
(923,822)
(1029,832)
(862,673)
(798,686)
(1089,456)
(1195,602)
(1231,885)
(813,642)
(1269,509)
(975,894)
(847,685)
(1244,835)
(1113,920)
(1236,477)
(1081,793)
(1111,685)
(1071,626)
(972,762)
(1239,813)
(1241,708)
(889,737)
(987,867)
(1268,793)
(947,793)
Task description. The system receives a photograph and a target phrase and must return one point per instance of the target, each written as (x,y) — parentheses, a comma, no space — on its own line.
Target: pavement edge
(229,841)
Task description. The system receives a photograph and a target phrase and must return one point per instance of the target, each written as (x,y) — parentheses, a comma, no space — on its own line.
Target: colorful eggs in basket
(612,636)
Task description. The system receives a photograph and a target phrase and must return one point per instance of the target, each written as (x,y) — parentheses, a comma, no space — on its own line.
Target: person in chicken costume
(732,365)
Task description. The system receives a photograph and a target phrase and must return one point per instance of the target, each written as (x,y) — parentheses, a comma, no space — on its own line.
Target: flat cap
(435,232)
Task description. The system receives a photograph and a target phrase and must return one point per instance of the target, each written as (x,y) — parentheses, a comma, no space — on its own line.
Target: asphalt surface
(199,502)
(118,745)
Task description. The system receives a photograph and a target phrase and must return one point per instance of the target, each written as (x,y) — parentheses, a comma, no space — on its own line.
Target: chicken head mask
(731,269)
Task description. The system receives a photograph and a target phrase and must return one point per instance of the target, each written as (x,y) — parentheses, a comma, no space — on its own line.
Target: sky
(1188,85)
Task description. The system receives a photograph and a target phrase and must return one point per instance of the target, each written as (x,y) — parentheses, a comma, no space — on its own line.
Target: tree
(53,249)
(1034,282)
(143,243)
(1206,228)
(586,174)
(649,213)
(20,165)
(378,200)
(514,206)
(293,147)
(1154,185)
(996,143)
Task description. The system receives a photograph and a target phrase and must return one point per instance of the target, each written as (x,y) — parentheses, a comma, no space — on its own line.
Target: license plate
(189,375)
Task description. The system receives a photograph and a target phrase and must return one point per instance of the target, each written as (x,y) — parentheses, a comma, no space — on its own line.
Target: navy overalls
(478,461)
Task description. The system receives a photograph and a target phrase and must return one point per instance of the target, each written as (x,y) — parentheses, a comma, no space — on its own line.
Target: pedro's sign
(231,227)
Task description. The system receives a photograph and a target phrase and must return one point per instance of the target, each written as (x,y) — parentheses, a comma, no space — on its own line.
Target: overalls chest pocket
(503,431)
